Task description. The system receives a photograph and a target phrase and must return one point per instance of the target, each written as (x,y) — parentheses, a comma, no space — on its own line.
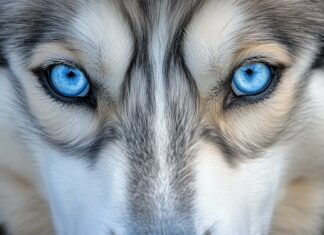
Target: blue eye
(68,81)
(251,79)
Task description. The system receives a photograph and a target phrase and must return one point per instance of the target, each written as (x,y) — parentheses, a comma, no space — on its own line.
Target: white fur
(257,197)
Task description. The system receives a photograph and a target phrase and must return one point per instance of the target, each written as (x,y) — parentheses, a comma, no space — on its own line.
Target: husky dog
(162,117)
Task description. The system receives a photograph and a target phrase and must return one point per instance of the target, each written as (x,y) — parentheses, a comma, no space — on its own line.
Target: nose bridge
(159,124)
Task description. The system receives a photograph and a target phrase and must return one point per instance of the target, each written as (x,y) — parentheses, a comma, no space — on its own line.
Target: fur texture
(162,146)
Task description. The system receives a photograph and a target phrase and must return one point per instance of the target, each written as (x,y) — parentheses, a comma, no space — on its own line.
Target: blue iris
(69,81)
(251,79)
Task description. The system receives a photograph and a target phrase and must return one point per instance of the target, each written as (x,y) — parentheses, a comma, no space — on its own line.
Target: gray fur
(26,24)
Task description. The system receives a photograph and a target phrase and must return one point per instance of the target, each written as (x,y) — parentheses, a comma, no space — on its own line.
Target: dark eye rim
(234,101)
(43,74)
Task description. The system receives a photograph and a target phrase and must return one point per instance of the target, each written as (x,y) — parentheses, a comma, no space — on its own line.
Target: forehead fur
(26,23)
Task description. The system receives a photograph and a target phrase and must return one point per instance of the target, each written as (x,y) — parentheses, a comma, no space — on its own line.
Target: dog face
(162,142)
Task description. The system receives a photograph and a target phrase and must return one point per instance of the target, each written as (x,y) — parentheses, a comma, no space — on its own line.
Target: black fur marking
(319,59)
(209,232)
(3,61)
(3,230)
(322,226)
(230,151)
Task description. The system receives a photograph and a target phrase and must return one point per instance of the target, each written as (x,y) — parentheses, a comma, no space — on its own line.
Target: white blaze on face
(84,199)
(157,52)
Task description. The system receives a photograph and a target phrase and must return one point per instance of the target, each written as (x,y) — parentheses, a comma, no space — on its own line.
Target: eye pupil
(71,74)
(249,71)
